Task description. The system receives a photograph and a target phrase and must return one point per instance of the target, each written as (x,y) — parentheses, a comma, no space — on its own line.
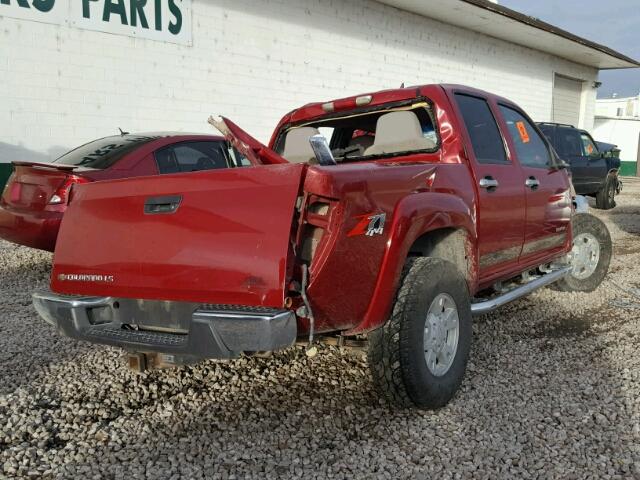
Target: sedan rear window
(105,152)
(192,157)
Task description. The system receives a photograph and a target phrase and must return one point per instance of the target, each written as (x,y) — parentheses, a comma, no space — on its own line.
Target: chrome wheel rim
(585,255)
(441,333)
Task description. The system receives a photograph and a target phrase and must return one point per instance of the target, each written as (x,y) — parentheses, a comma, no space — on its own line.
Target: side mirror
(322,151)
(557,163)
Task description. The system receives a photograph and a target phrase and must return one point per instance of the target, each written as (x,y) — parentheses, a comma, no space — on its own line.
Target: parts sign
(162,20)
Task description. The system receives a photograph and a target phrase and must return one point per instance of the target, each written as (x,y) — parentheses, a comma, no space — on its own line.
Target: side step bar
(486,306)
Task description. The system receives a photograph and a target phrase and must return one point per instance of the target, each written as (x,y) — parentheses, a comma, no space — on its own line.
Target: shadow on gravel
(626,218)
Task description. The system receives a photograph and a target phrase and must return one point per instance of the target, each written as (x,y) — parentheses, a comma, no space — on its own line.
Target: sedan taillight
(61,195)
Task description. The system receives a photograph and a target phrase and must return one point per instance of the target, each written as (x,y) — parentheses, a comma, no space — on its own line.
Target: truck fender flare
(414,216)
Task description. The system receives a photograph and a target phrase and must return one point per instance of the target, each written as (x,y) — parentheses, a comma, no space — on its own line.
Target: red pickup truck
(387,219)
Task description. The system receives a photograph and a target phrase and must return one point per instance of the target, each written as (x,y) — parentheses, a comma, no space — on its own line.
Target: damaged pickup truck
(385,220)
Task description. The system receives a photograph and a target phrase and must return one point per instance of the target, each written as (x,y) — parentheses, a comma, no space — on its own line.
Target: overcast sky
(613,23)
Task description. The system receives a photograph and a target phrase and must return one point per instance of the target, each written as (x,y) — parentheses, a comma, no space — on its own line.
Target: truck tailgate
(212,237)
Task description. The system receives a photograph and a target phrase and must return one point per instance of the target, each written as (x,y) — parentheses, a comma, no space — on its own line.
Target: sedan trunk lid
(32,185)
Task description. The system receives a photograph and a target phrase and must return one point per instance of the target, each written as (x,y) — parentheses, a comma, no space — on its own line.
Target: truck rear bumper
(192,330)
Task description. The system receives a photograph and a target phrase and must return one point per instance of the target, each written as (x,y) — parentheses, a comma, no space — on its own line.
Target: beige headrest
(399,132)
(297,148)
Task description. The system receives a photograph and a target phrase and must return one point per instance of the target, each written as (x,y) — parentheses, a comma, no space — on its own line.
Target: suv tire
(605,198)
(591,255)
(430,322)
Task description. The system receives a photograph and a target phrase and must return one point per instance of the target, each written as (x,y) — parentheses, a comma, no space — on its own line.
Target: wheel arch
(448,243)
(432,224)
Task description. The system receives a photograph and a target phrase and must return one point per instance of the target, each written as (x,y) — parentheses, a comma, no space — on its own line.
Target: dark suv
(594,173)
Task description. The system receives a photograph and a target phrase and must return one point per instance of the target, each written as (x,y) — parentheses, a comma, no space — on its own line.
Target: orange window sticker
(524,135)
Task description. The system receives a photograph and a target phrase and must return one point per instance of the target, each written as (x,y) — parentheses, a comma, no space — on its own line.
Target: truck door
(569,147)
(500,187)
(548,196)
(596,163)
(219,236)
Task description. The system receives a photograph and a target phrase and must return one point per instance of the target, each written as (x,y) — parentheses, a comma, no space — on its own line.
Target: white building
(75,70)
(617,121)
(618,107)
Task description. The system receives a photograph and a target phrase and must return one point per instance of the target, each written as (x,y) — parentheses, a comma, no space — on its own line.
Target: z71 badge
(370,224)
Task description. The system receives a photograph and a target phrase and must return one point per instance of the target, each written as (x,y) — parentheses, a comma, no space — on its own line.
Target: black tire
(587,223)
(606,197)
(396,350)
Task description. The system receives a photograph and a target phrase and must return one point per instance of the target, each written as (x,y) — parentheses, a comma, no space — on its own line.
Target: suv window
(104,152)
(548,131)
(483,130)
(568,142)
(531,149)
(589,148)
(191,157)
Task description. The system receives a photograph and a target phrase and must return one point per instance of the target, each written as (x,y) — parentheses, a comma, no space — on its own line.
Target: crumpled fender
(414,216)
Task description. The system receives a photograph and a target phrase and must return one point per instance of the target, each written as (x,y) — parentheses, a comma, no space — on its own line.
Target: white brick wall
(251,60)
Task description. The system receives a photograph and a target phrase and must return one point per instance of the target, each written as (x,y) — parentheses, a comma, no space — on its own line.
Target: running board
(486,306)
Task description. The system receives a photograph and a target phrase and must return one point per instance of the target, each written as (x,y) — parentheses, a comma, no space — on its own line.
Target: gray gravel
(551,391)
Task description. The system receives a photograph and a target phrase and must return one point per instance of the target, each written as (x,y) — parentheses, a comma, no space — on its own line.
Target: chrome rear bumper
(176,328)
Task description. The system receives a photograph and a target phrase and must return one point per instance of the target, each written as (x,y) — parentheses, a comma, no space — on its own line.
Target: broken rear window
(384,132)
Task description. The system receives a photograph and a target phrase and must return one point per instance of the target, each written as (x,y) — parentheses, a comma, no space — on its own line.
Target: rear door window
(548,131)
(104,152)
(192,157)
(486,140)
(530,147)
(569,143)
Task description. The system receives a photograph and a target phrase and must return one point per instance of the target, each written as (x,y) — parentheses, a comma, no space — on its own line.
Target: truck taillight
(310,242)
(61,195)
(315,223)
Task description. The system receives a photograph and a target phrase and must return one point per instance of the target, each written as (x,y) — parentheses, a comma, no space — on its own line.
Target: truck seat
(297,148)
(399,132)
(364,142)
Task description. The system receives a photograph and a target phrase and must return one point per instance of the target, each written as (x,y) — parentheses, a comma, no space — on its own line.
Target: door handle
(162,205)
(532,183)
(489,183)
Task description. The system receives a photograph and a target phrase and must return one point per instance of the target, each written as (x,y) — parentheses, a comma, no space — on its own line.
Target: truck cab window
(531,149)
(485,137)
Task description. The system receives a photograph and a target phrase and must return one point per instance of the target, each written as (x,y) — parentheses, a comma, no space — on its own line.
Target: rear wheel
(590,256)
(418,358)
(606,197)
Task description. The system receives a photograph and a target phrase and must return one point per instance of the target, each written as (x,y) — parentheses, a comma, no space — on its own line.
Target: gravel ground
(551,391)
